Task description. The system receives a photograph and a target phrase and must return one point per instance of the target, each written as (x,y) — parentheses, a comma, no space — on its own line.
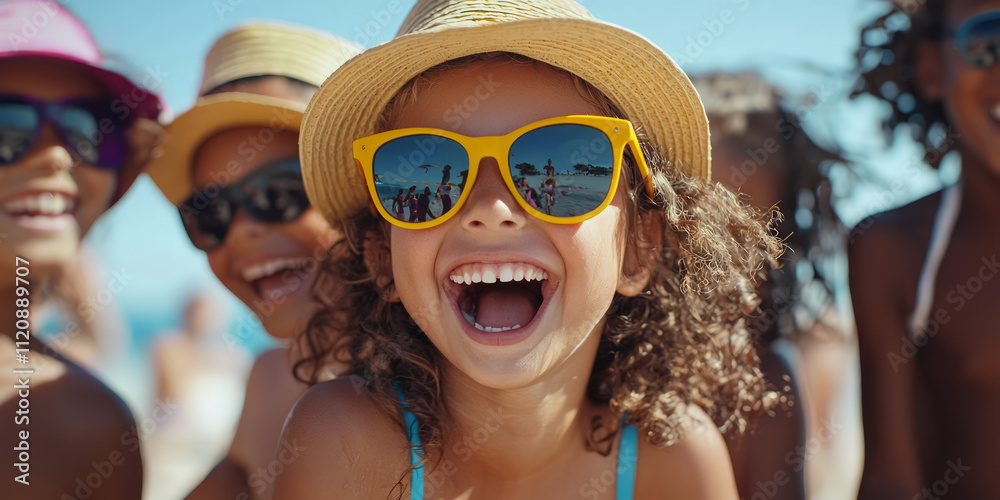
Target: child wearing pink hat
(73,138)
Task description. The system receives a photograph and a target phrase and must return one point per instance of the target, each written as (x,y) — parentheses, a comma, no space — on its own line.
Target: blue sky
(806,45)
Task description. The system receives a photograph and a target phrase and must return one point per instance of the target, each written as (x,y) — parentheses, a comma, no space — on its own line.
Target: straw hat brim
(638,77)
(211,116)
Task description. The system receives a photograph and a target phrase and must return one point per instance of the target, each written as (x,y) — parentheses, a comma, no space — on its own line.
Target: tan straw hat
(252,50)
(638,77)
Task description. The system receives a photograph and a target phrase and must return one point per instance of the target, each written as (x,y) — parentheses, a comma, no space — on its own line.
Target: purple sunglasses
(87,126)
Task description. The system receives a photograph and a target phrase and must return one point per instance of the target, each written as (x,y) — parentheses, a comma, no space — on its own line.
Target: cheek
(96,187)
(312,233)
(217,260)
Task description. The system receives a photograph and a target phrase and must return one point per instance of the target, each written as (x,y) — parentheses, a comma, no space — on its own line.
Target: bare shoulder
(895,238)
(697,466)
(344,443)
(82,426)
(271,380)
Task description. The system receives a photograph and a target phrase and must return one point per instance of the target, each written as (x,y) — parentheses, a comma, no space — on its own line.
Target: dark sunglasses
(978,39)
(87,127)
(275,194)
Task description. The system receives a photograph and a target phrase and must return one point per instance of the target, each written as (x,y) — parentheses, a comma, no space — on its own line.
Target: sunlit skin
(50,168)
(538,384)
(283,303)
(61,449)
(930,412)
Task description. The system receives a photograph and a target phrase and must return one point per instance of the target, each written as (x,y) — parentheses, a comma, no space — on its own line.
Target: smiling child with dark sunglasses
(69,149)
(923,276)
(231,166)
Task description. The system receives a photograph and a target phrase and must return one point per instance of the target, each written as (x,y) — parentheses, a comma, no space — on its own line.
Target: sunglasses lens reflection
(980,41)
(562,170)
(419,178)
(18,122)
(206,220)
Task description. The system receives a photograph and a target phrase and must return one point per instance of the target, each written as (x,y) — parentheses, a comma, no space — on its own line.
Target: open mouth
(497,298)
(278,277)
(41,210)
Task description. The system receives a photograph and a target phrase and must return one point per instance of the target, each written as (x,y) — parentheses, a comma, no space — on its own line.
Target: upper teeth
(491,273)
(269,268)
(41,203)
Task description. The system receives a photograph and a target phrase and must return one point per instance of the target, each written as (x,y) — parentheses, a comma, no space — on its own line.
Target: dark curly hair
(886,59)
(682,341)
(746,111)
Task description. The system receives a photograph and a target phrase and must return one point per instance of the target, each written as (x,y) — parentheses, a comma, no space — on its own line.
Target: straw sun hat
(252,50)
(638,77)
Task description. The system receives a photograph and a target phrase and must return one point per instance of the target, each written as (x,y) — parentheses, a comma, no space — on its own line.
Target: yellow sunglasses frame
(620,133)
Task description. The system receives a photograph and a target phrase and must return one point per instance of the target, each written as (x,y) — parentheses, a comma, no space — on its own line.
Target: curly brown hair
(682,341)
(886,63)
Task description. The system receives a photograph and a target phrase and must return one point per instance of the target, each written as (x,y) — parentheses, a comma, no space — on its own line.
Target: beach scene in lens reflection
(143,239)
(563,170)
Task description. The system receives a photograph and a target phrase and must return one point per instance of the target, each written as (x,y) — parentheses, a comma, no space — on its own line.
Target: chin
(45,257)
(524,367)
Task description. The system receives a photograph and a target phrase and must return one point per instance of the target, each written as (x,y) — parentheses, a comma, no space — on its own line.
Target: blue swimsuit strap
(413,434)
(628,451)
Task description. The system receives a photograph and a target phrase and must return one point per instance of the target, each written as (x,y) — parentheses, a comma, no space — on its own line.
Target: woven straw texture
(251,50)
(638,77)
(274,49)
(211,116)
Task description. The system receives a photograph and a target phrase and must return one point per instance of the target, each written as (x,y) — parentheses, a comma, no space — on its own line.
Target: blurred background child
(231,166)
(921,275)
(69,149)
(761,150)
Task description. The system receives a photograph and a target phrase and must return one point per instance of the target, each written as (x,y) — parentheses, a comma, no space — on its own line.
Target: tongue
(503,306)
(277,286)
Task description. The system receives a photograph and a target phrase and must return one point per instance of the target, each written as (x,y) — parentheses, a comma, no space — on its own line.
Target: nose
(244,228)
(490,205)
(49,154)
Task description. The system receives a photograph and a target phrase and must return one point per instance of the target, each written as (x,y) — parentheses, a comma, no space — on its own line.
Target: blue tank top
(627,453)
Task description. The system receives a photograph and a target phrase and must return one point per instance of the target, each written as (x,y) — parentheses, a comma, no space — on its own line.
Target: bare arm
(226,480)
(888,374)
(770,458)
(271,392)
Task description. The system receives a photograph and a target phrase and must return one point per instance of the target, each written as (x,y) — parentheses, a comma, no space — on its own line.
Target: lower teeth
(490,329)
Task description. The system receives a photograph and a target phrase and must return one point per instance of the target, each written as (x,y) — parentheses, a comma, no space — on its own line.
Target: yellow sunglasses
(563,170)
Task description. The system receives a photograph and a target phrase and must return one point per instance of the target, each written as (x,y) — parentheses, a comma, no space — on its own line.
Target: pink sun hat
(44,28)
